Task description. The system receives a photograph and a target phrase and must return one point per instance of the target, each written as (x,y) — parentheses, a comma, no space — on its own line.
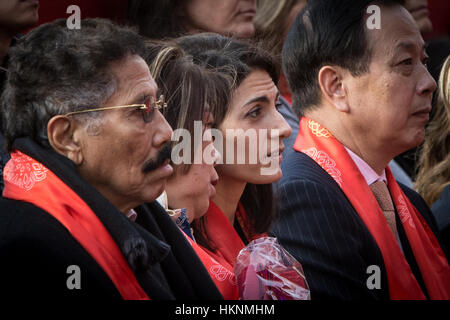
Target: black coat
(321,229)
(36,250)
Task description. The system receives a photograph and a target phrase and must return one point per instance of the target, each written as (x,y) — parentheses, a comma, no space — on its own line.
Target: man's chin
(157,189)
(414,140)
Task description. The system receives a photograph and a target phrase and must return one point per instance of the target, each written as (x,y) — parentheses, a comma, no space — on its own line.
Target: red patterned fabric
(220,264)
(318,143)
(28,180)
(221,273)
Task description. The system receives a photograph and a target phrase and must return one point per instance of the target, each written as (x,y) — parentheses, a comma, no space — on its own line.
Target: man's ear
(333,87)
(64,136)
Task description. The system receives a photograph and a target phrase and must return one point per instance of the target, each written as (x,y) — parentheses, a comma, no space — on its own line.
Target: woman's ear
(332,86)
(64,136)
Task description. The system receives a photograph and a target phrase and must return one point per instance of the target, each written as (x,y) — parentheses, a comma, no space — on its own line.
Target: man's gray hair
(54,70)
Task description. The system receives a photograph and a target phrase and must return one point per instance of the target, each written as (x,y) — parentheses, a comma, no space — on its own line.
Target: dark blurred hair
(54,70)
(235,58)
(326,33)
(188,87)
(156,19)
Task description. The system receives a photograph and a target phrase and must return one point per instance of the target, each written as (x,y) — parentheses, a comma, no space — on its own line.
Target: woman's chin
(268,175)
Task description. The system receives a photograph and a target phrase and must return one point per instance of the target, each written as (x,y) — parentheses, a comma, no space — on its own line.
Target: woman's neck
(228,194)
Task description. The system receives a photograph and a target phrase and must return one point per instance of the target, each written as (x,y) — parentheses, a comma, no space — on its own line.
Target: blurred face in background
(420,13)
(226,17)
(18,15)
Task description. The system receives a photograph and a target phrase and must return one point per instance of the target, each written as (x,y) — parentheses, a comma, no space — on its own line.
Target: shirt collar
(368,173)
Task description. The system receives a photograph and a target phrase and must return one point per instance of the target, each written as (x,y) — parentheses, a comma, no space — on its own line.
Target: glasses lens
(147,114)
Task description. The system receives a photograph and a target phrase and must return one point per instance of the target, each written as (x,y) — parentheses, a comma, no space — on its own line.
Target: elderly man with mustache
(89,156)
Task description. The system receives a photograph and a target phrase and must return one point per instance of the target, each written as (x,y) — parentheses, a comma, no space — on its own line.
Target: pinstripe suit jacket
(321,229)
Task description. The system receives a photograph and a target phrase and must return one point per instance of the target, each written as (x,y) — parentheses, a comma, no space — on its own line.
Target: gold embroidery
(318,130)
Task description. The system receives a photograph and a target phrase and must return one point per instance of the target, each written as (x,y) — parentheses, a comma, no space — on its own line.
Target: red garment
(228,243)
(28,180)
(225,237)
(221,274)
(318,143)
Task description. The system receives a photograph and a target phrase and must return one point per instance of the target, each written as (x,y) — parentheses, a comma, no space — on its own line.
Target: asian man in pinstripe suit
(364,94)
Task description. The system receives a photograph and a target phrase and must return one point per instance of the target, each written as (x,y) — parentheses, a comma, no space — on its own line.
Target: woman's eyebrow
(257,99)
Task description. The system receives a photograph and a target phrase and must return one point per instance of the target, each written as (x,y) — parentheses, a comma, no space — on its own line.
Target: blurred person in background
(16,16)
(433,178)
(158,19)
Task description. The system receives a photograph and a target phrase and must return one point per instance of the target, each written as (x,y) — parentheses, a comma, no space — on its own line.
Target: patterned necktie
(381,193)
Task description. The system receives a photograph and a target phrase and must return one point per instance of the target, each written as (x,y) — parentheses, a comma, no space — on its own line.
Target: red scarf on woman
(221,273)
(318,143)
(28,180)
(224,236)
(220,264)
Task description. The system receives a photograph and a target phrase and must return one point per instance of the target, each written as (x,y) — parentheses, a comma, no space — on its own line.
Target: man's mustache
(163,155)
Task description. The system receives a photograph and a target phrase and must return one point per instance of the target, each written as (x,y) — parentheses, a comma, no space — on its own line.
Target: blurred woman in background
(159,19)
(433,179)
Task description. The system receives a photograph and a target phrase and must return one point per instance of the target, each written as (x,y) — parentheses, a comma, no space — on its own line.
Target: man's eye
(407,62)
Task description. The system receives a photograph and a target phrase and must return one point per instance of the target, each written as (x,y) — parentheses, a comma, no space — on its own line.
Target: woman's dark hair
(54,70)
(326,33)
(234,57)
(237,59)
(156,19)
(190,90)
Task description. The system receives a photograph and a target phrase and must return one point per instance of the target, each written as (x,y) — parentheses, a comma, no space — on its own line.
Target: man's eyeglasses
(147,109)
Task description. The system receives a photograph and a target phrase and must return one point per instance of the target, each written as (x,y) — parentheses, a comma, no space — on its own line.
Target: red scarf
(318,143)
(28,180)
(221,273)
(220,264)
(222,233)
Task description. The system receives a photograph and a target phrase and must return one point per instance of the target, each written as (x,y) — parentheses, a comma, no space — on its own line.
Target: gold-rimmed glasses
(147,109)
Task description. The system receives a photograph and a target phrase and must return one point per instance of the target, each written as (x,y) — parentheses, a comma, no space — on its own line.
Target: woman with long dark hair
(243,207)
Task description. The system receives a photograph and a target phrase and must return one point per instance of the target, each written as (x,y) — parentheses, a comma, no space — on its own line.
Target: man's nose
(164,131)
(427,84)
